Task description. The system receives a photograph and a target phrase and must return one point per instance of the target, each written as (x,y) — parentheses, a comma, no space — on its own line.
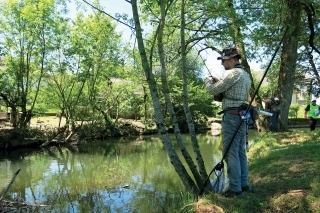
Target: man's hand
(214,79)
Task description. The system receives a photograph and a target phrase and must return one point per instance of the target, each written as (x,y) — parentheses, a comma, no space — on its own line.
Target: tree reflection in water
(118,175)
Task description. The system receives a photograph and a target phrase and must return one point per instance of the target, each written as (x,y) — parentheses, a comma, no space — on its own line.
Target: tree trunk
(192,132)
(288,60)
(179,167)
(14,116)
(170,108)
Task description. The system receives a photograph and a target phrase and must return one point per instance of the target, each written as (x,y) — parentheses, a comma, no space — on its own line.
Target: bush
(293,110)
(39,111)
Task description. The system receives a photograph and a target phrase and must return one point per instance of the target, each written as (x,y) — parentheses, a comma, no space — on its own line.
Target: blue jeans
(236,158)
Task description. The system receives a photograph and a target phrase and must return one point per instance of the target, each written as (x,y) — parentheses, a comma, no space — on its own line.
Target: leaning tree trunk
(174,120)
(288,60)
(187,111)
(179,167)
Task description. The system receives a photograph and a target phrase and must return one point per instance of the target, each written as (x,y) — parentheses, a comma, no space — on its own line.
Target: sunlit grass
(284,172)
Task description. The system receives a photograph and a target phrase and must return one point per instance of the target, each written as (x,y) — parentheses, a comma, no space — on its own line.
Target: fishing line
(205,63)
(220,165)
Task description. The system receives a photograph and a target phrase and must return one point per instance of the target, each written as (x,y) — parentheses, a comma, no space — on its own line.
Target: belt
(233,112)
(230,110)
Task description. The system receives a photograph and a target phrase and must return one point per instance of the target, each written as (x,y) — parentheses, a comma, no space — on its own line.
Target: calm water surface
(130,174)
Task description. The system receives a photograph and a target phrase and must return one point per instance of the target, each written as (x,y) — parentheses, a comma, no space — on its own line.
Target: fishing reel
(219,166)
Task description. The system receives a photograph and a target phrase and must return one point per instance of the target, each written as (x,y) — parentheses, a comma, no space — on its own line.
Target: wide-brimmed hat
(229,52)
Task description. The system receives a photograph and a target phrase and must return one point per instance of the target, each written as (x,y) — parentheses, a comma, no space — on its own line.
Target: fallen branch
(53,136)
(8,187)
(18,203)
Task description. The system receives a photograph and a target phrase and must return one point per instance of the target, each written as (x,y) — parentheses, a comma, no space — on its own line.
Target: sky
(123,7)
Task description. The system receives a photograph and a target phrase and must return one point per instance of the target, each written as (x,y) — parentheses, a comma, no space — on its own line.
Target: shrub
(293,110)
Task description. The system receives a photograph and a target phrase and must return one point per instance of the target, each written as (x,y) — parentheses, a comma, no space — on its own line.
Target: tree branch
(310,13)
(118,20)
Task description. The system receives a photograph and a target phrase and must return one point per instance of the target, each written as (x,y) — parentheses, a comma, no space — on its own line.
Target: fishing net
(220,182)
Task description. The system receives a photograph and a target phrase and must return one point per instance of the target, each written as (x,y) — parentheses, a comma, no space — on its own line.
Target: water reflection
(131,174)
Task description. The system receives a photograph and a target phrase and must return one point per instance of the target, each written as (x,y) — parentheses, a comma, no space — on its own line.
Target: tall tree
(288,59)
(27,28)
(83,71)
(188,114)
(181,170)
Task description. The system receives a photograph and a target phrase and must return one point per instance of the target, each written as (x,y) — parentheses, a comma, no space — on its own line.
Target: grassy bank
(284,172)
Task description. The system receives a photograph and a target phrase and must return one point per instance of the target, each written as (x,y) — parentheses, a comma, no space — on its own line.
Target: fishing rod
(220,165)
(218,97)
(205,64)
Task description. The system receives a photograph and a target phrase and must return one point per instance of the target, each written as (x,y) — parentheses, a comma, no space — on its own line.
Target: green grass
(284,173)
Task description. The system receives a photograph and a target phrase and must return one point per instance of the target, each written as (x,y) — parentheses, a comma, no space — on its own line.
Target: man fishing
(235,86)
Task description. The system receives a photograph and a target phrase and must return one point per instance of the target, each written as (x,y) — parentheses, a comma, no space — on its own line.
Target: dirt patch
(205,207)
(51,121)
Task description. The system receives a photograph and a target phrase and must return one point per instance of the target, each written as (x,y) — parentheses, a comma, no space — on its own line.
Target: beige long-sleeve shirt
(235,85)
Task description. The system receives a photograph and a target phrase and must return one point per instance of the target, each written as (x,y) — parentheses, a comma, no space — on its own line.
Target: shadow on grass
(285,179)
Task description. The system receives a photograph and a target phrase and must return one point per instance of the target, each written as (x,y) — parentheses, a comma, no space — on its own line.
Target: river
(131,174)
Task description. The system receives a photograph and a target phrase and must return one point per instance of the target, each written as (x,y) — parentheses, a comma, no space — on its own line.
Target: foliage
(201,105)
(26,28)
(86,35)
(39,111)
(293,112)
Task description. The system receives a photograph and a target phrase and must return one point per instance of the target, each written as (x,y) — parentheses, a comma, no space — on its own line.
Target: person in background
(275,110)
(272,105)
(235,86)
(266,100)
(267,107)
(312,112)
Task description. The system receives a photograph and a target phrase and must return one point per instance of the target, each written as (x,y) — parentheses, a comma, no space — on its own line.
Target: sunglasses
(223,60)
